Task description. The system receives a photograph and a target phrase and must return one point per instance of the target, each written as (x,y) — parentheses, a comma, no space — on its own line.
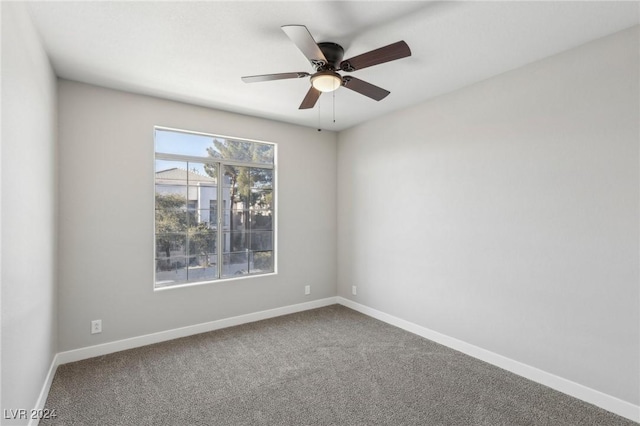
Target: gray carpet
(328,366)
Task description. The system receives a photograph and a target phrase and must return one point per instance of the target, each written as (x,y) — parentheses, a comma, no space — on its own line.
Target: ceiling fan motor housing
(334,54)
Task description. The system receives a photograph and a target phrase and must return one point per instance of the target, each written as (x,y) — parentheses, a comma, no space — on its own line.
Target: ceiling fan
(326,59)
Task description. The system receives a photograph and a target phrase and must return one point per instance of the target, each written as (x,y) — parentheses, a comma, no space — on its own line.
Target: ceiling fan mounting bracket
(346,66)
(318,65)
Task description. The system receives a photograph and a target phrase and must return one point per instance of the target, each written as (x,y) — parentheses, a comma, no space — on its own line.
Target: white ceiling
(196,52)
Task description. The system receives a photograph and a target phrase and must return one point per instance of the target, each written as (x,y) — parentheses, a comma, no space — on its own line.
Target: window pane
(171,142)
(261,240)
(261,178)
(236,220)
(261,261)
(176,193)
(177,189)
(170,245)
(206,218)
(171,172)
(263,153)
(202,254)
(234,242)
(234,150)
(170,220)
(261,220)
(183,172)
(203,273)
(196,145)
(202,242)
(171,271)
(200,174)
(236,187)
(261,199)
(206,194)
(235,264)
(245,151)
(213,214)
(171,208)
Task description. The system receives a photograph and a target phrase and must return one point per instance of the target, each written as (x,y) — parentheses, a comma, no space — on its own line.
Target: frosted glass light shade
(326,82)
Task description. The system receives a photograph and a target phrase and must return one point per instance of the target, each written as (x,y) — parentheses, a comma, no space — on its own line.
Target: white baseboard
(607,402)
(162,336)
(44,392)
(592,396)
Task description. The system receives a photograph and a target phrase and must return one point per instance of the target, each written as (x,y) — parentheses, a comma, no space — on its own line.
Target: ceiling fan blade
(269,77)
(384,54)
(311,98)
(364,88)
(302,38)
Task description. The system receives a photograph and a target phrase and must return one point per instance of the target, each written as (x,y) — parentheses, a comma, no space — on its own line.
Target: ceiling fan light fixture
(327,81)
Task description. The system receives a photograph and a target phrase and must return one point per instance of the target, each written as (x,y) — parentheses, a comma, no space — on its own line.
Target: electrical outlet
(96,326)
(354,290)
(307,289)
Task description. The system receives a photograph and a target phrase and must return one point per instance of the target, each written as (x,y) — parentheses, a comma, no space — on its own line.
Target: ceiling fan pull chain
(334,107)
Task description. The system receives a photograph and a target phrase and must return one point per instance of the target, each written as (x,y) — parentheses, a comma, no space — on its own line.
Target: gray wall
(28,211)
(506,215)
(107,206)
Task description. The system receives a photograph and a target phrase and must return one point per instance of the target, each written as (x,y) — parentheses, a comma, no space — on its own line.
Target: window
(197,238)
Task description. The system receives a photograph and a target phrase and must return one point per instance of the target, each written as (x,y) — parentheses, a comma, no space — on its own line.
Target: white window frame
(220,206)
